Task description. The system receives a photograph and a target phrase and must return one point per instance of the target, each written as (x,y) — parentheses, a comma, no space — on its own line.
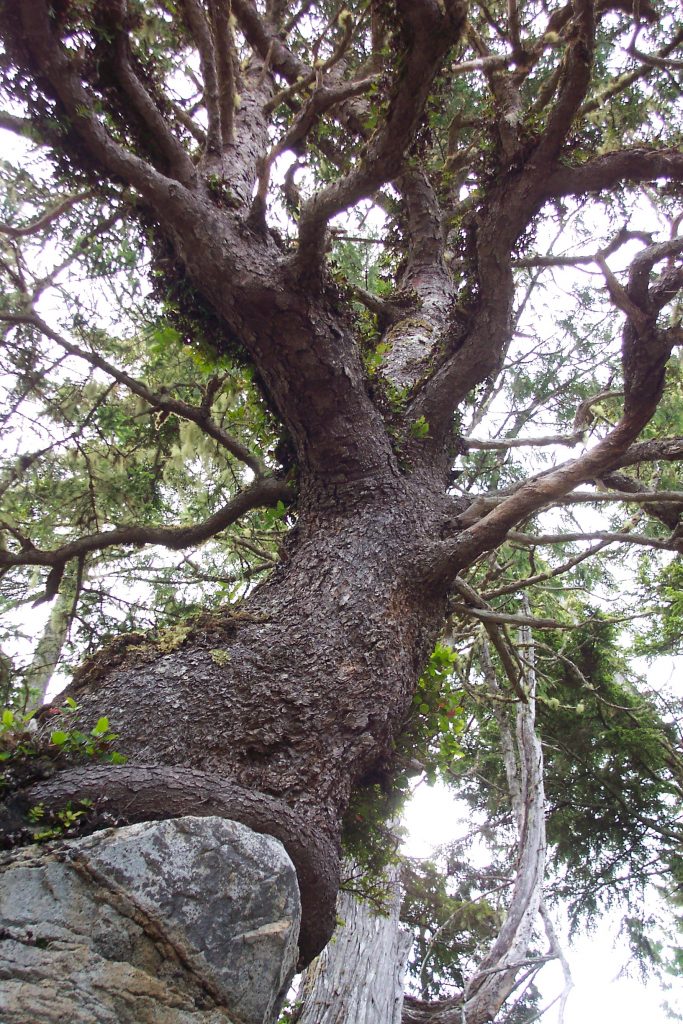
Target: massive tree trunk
(272,712)
(302,688)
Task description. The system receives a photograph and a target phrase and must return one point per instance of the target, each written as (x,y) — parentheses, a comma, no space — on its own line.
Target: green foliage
(84,452)
(57,824)
(450,920)
(429,742)
(663,632)
(613,778)
(27,738)
(419,428)
(31,749)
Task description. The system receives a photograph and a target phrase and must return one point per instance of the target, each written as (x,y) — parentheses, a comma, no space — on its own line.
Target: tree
(457,148)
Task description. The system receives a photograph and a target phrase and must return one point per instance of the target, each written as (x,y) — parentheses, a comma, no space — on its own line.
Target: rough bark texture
(303,688)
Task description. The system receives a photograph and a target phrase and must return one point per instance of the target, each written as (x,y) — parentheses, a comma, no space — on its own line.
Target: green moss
(172,637)
(220,657)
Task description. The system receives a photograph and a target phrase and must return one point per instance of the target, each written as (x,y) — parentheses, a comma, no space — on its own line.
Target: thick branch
(494,526)
(226,66)
(643,263)
(266,43)
(201,33)
(412,338)
(668,450)
(605,172)
(142,103)
(667,513)
(264,493)
(39,35)
(19,125)
(574,83)
(139,792)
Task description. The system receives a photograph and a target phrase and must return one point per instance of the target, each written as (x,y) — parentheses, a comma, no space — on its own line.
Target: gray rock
(188,921)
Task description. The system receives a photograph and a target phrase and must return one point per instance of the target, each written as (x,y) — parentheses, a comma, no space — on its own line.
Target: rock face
(187,921)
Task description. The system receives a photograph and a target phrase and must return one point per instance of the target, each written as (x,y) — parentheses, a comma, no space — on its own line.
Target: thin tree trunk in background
(358,978)
(48,650)
(497,973)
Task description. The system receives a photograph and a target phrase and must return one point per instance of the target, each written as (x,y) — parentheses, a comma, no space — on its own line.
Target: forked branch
(432,34)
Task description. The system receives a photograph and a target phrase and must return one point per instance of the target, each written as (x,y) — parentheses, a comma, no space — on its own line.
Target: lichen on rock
(186,921)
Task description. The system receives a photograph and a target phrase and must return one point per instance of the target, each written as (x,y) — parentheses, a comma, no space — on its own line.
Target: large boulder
(187,921)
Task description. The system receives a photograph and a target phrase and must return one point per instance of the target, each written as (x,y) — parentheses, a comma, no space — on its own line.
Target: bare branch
(655,61)
(505,650)
(623,236)
(495,976)
(263,493)
(667,513)
(634,497)
(46,219)
(506,619)
(479,444)
(541,577)
(649,64)
(533,540)
(495,524)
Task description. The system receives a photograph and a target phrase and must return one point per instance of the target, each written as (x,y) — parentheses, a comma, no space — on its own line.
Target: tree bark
(303,687)
(358,978)
(48,650)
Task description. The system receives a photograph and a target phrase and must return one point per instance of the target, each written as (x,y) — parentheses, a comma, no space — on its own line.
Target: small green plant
(220,190)
(32,746)
(57,824)
(220,657)
(419,428)
(30,737)
(373,359)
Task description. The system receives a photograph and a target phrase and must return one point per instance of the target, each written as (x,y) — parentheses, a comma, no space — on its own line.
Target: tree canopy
(342,422)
